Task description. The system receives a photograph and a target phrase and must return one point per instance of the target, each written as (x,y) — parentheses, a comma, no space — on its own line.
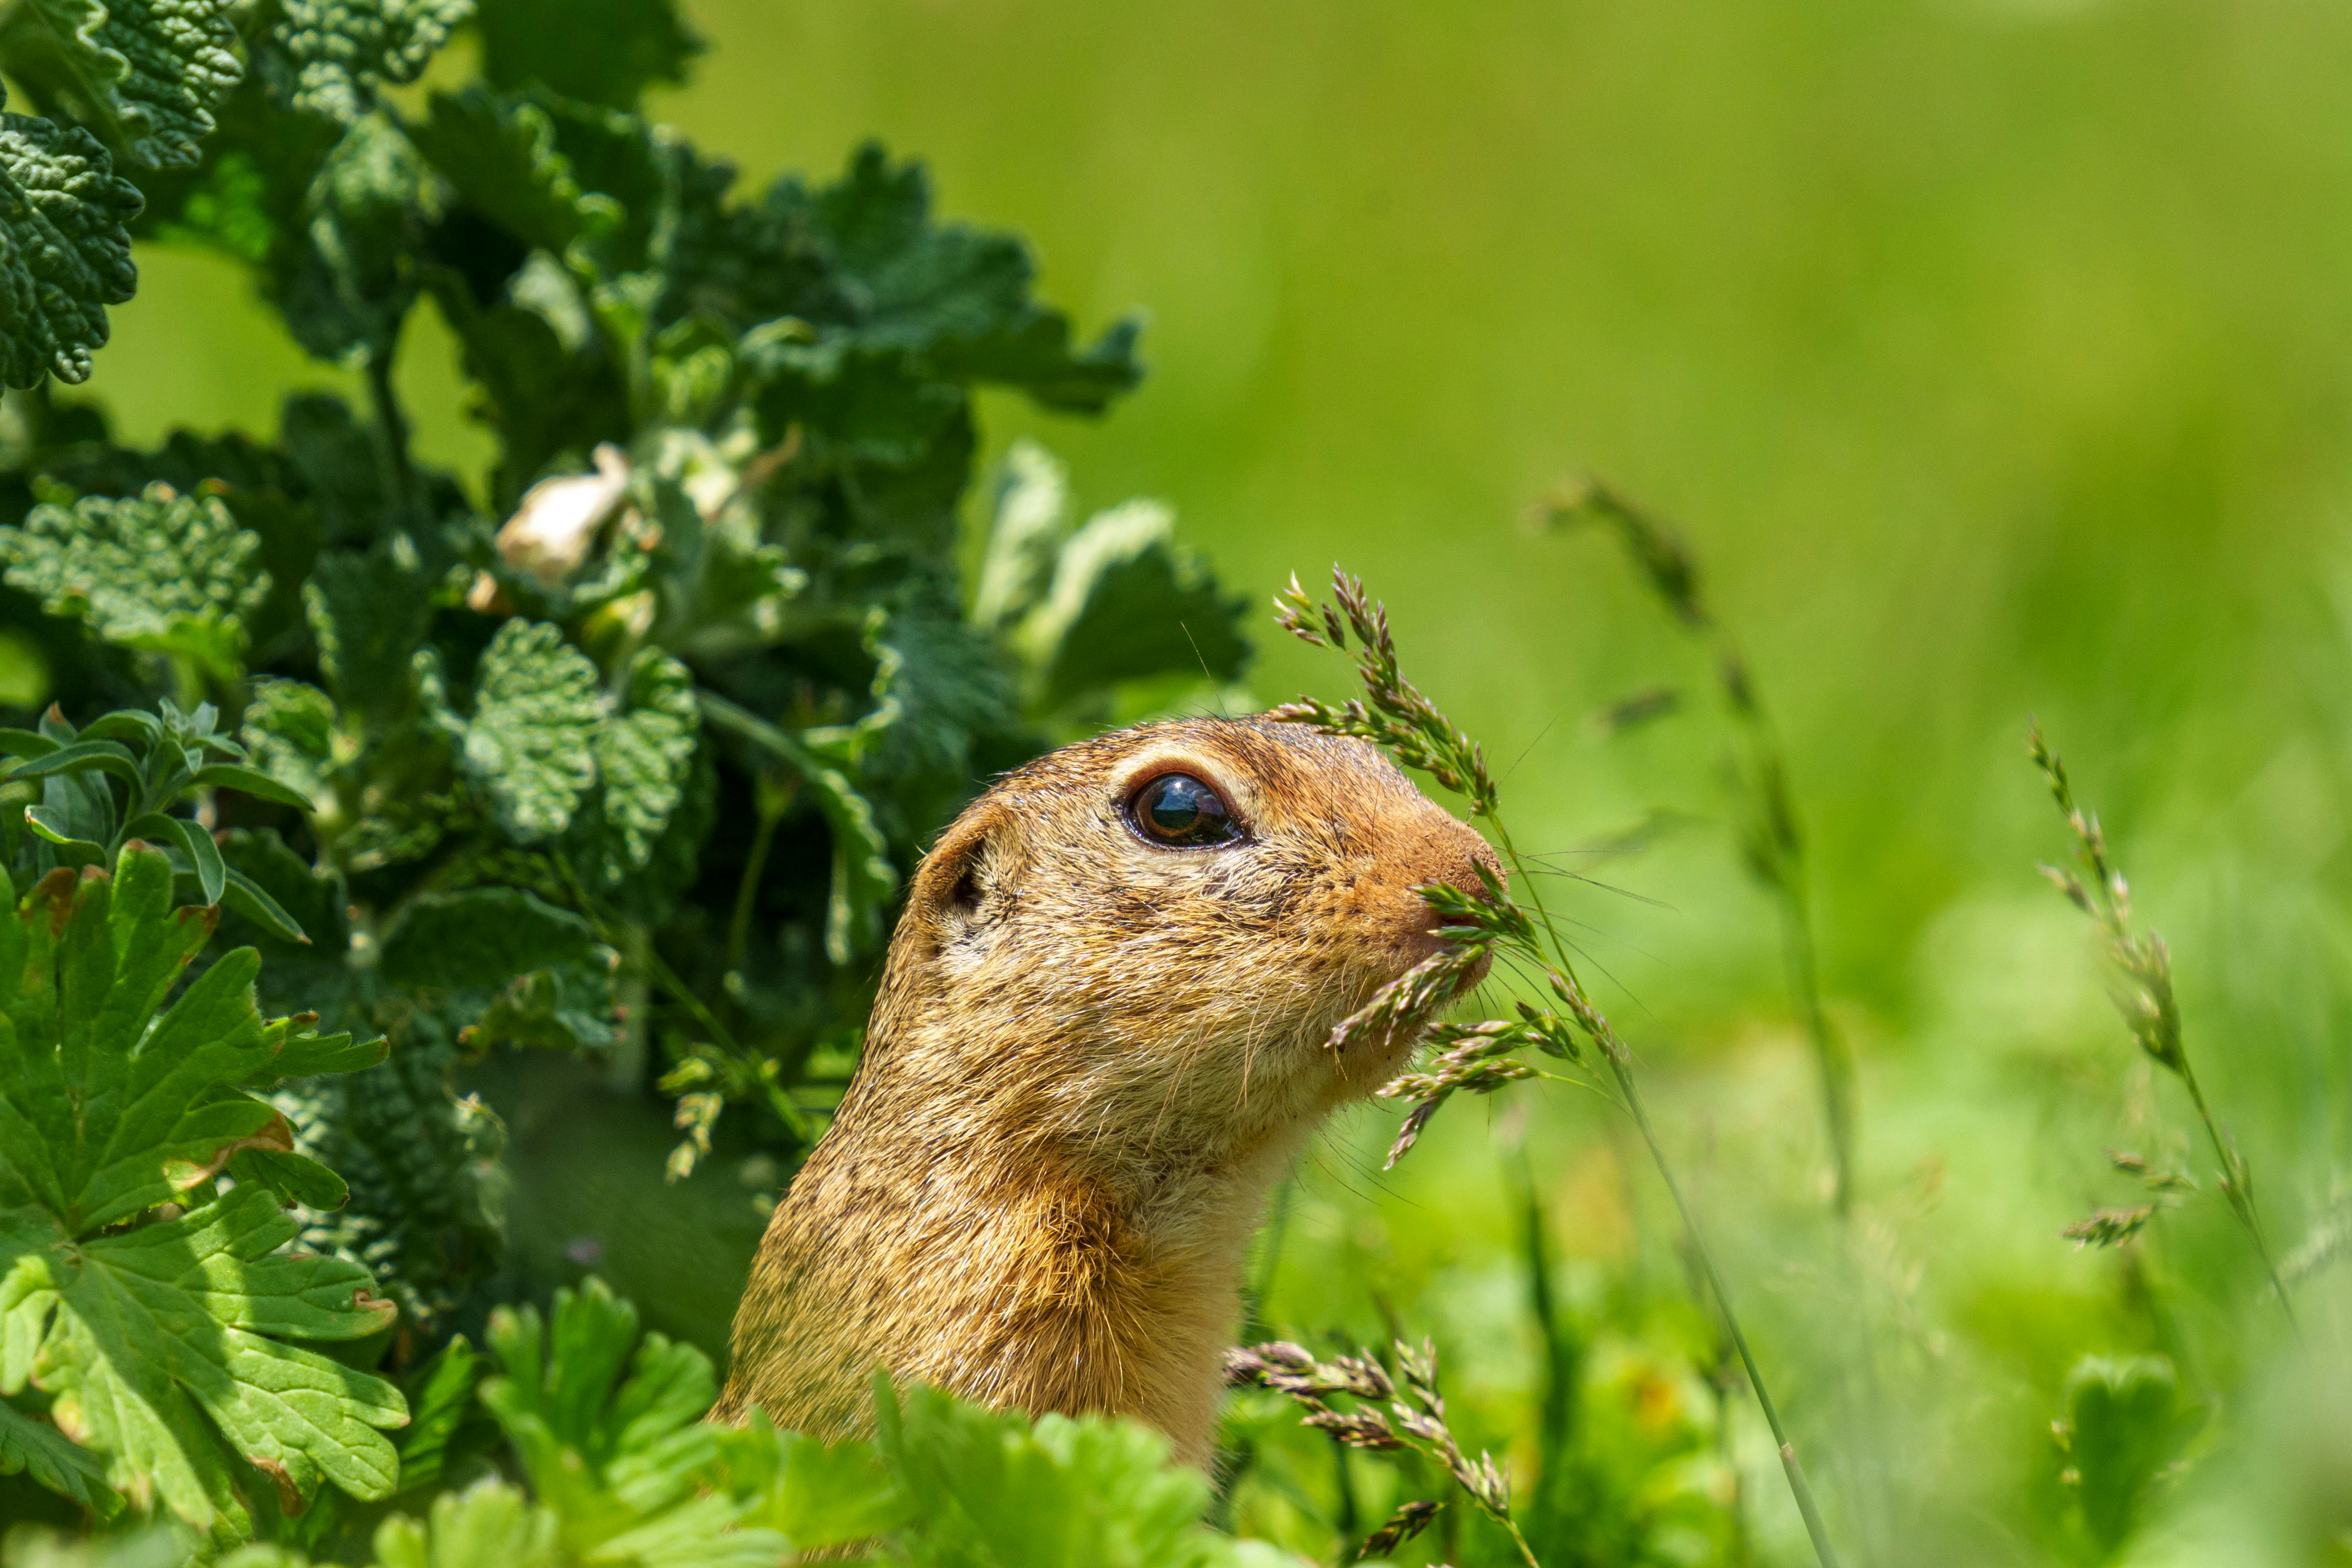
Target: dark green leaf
(597,51)
(480,938)
(1128,602)
(246,897)
(341,51)
(228,775)
(65,253)
(28,1444)
(530,744)
(146,72)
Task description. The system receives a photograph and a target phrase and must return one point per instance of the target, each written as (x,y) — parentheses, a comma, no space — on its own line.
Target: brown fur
(1090,1058)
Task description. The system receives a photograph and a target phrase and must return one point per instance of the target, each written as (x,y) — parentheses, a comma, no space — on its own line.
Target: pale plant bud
(551,534)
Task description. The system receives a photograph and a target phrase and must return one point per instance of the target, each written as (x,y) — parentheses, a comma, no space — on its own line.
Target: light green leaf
(341,51)
(147,72)
(65,253)
(597,51)
(489,1525)
(151,1340)
(370,612)
(621,1460)
(1128,602)
(166,573)
(1024,535)
(816,1495)
(289,730)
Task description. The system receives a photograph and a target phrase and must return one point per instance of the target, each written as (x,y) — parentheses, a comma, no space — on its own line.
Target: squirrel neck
(1008,1247)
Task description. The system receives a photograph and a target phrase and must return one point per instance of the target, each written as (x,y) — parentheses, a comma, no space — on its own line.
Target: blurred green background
(1995,358)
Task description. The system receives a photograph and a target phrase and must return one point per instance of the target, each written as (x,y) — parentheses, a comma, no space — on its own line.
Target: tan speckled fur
(1090,1058)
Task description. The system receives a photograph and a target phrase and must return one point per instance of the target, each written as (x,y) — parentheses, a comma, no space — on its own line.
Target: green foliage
(2124,1424)
(619,753)
(65,253)
(154,1344)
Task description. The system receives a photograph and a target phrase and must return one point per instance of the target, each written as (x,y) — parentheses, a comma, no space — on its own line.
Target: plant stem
(772,803)
(1797,1485)
(1620,1061)
(391,435)
(2241,1202)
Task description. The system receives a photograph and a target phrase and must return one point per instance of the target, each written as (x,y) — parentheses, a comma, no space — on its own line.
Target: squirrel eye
(1179,811)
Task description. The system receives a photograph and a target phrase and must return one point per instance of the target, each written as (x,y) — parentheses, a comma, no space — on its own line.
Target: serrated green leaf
(369,612)
(644,755)
(440,1404)
(814,1494)
(621,1460)
(164,572)
(1128,602)
(289,732)
(488,1525)
(341,51)
(596,51)
(482,937)
(530,744)
(1026,527)
(106,1110)
(500,152)
(65,248)
(363,225)
(985,1485)
(148,72)
(28,1444)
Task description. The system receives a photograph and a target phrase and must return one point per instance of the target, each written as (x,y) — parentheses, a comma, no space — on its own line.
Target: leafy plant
(629,759)
(147,1296)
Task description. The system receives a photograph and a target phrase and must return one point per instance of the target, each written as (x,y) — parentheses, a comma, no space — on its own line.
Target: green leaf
(106,1110)
(441,1404)
(247,898)
(530,746)
(202,855)
(482,937)
(252,781)
(987,1486)
(341,51)
(610,1431)
(370,613)
(64,251)
(290,732)
(147,72)
(296,1178)
(364,221)
(814,1494)
(597,51)
(1128,602)
(166,572)
(30,1444)
(1026,527)
(488,1525)
(501,154)
(2124,1422)
(644,755)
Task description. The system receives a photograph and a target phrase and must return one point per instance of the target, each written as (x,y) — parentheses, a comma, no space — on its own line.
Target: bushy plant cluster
(620,751)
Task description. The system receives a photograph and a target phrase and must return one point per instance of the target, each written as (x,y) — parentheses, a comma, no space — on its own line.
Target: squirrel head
(1131,953)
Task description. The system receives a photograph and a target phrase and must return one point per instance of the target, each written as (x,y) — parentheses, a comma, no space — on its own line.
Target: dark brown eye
(1179,811)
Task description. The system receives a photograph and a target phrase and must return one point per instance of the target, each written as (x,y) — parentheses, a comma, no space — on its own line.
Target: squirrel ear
(953,886)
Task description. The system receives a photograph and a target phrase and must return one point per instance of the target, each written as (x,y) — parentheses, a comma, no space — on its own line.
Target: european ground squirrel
(1101,1037)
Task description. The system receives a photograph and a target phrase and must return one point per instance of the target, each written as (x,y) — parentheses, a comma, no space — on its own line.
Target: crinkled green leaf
(500,152)
(350,285)
(166,572)
(530,744)
(597,51)
(289,730)
(1026,527)
(644,753)
(482,937)
(64,251)
(106,1110)
(369,612)
(147,72)
(341,51)
(1128,602)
